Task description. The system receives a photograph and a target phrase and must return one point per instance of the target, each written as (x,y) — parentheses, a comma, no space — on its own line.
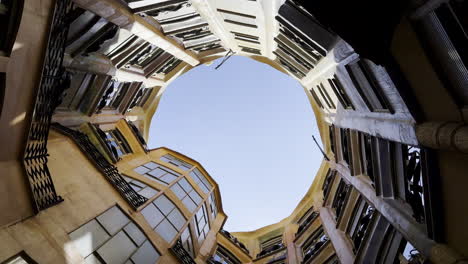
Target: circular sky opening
(251,127)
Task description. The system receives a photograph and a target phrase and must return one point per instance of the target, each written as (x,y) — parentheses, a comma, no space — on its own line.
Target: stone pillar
(443,135)
(343,248)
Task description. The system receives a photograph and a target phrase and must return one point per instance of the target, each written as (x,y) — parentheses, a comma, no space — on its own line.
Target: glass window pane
(157,172)
(135,234)
(148,192)
(177,219)
(151,165)
(164,204)
(88,237)
(152,215)
(91,259)
(118,249)
(146,254)
(138,183)
(191,206)
(178,191)
(166,230)
(141,170)
(195,197)
(185,185)
(113,220)
(168,178)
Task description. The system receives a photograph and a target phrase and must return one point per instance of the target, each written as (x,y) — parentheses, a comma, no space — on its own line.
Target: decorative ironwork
(54,80)
(362,227)
(234,240)
(110,171)
(413,181)
(179,251)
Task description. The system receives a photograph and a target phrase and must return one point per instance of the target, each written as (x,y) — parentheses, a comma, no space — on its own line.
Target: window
(361,221)
(20,258)
(331,132)
(271,245)
(236,18)
(176,162)
(341,197)
(313,245)
(158,173)
(117,143)
(187,244)
(141,188)
(394,248)
(223,256)
(201,221)
(212,203)
(185,192)
(306,220)
(113,238)
(368,86)
(346,150)
(452,16)
(113,95)
(316,98)
(327,184)
(164,217)
(368,154)
(250,50)
(200,180)
(11,12)
(245,37)
(326,97)
(340,93)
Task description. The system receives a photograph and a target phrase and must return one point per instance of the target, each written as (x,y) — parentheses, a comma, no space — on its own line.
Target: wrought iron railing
(270,250)
(54,80)
(109,170)
(362,227)
(413,181)
(182,255)
(234,240)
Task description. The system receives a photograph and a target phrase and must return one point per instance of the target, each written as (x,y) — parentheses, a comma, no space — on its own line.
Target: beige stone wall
(20,90)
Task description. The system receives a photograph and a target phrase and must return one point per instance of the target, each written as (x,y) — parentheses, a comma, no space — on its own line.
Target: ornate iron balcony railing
(235,240)
(179,251)
(270,250)
(54,80)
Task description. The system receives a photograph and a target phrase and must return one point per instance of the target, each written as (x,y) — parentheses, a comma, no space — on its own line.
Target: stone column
(343,248)
(443,135)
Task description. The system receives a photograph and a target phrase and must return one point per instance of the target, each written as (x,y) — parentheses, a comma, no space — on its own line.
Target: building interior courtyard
(81,80)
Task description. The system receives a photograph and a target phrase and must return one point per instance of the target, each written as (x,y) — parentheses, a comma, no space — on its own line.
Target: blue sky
(251,127)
